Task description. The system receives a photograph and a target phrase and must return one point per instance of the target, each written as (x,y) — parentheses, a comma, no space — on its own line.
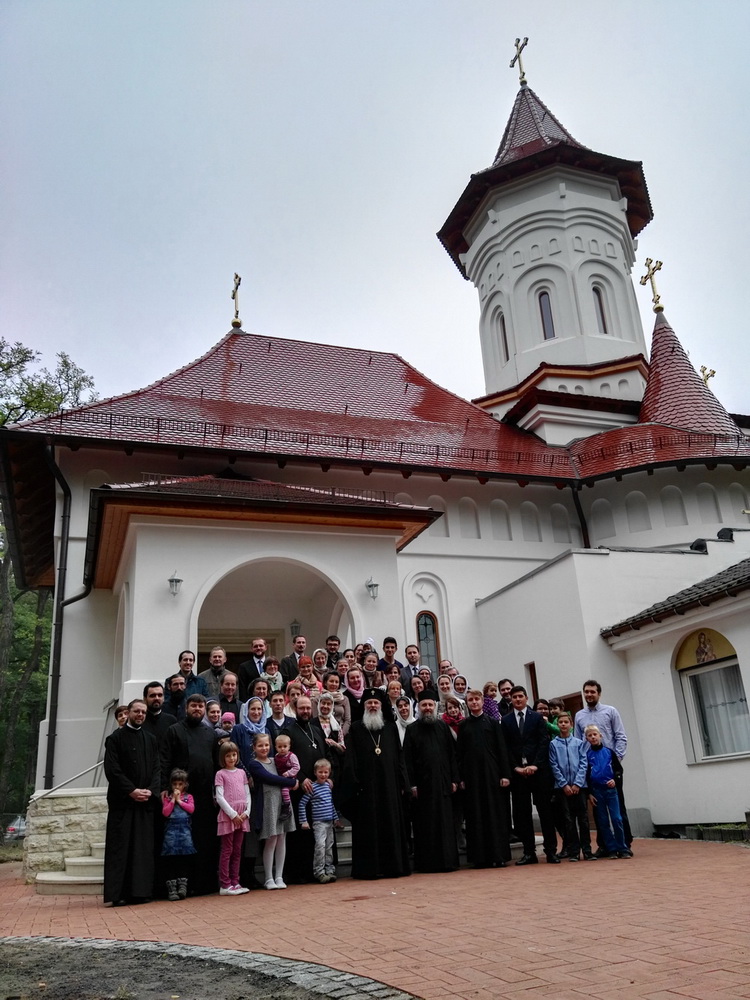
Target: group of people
(209,772)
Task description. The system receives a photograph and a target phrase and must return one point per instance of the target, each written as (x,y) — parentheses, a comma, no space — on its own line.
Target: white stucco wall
(115,641)
(554,619)
(681,789)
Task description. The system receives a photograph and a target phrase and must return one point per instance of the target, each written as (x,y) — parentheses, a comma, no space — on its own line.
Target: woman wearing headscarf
(404,717)
(254,721)
(320,660)
(256,716)
(342,711)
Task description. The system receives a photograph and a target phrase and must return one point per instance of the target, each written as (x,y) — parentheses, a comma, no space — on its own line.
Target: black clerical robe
(431,764)
(482,763)
(158,725)
(308,744)
(131,760)
(194,748)
(374,790)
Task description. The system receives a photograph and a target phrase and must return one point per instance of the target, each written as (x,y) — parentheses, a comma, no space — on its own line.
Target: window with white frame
(545,312)
(717,709)
(601,316)
(428,639)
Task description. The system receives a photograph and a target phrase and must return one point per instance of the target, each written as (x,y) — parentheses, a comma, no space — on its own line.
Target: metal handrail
(47,791)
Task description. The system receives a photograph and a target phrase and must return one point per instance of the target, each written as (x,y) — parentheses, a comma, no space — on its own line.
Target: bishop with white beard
(374,788)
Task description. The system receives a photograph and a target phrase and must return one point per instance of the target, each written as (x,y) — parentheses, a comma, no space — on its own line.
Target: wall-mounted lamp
(295,628)
(174,584)
(372,588)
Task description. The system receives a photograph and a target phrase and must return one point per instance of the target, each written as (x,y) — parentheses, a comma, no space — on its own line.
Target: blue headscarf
(254,727)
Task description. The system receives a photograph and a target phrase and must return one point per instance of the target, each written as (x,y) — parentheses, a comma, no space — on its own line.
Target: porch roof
(113,506)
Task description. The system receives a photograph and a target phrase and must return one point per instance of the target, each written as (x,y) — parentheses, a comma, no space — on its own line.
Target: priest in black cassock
(374,789)
(193,746)
(131,764)
(485,774)
(308,744)
(433,776)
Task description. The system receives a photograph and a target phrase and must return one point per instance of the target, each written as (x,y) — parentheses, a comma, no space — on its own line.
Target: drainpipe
(575,490)
(57,623)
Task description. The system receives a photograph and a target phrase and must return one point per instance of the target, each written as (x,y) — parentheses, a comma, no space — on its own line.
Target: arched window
(560,523)
(502,337)
(602,519)
(468,518)
(708,504)
(545,311)
(673,507)
(601,319)
(500,520)
(636,509)
(715,697)
(428,638)
(530,528)
(438,528)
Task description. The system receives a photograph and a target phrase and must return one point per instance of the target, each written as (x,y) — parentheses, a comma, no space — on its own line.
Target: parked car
(15,831)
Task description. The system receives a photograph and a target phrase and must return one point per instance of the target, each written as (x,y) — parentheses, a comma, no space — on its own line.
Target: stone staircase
(82,876)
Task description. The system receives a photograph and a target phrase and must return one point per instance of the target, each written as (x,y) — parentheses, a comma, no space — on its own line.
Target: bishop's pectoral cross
(652,266)
(236,299)
(520,46)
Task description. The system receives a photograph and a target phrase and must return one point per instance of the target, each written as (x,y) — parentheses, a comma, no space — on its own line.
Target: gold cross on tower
(652,266)
(520,46)
(236,322)
(706,374)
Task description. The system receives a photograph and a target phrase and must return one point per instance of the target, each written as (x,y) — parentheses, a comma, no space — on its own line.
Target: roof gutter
(575,489)
(675,612)
(57,623)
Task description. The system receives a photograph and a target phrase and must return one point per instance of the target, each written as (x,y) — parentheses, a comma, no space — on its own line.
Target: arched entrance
(266,598)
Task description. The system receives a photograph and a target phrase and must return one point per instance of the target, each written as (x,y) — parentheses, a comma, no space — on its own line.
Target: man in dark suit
(332,648)
(527,739)
(289,666)
(505,686)
(412,666)
(250,670)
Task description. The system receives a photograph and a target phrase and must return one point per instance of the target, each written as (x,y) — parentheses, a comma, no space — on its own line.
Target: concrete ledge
(62,884)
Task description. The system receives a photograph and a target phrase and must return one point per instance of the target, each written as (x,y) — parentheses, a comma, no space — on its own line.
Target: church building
(585,517)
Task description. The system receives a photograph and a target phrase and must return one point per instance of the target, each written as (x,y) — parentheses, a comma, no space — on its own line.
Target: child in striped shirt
(324,816)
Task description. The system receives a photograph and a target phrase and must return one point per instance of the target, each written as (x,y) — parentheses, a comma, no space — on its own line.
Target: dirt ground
(45,971)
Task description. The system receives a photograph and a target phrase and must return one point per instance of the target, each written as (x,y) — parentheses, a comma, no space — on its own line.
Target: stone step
(97,850)
(62,884)
(88,867)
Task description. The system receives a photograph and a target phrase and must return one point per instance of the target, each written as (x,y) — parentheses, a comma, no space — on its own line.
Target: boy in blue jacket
(603,765)
(569,763)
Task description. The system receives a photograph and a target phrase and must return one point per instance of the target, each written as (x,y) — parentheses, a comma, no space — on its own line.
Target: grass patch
(10,852)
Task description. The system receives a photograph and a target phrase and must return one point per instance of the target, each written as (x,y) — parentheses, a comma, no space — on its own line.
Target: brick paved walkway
(670,924)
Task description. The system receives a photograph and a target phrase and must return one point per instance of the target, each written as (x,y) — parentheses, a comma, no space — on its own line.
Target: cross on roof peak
(520,46)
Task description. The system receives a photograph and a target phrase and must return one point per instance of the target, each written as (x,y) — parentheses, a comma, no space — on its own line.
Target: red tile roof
(265,395)
(531,127)
(534,139)
(272,396)
(675,393)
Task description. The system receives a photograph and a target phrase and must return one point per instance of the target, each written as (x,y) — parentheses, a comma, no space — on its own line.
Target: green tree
(27,390)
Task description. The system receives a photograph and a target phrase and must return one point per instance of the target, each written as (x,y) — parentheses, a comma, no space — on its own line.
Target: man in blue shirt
(607,719)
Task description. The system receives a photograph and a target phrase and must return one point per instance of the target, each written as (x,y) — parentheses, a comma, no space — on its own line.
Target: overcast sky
(151,148)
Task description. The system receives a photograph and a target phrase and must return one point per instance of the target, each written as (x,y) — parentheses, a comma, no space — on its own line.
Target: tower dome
(546,234)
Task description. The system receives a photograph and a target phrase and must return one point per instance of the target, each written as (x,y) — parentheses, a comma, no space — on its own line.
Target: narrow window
(545,308)
(503,335)
(428,639)
(601,319)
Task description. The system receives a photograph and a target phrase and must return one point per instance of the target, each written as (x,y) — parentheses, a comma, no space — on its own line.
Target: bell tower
(546,234)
